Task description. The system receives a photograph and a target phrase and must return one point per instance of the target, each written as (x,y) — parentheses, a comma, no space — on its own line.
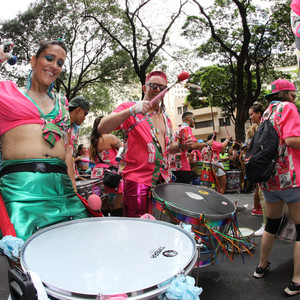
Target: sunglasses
(154,86)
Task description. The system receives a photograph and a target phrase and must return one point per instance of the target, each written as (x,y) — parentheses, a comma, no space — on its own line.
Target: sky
(9,9)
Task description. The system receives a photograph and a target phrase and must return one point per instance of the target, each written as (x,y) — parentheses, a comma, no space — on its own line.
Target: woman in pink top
(211,154)
(103,151)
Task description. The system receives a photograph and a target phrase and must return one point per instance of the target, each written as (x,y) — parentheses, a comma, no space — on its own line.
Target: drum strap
(41,167)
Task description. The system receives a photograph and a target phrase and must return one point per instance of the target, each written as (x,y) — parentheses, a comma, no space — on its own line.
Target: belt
(40,167)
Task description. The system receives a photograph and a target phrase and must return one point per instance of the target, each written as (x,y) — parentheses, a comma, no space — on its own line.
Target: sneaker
(293,288)
(260,231)
(260,272)
(257,212)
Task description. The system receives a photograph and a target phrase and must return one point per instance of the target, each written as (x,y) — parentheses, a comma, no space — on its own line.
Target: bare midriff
(27,142)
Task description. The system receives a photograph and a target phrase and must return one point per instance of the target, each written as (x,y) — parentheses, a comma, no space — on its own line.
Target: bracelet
(131,111)
(207,144)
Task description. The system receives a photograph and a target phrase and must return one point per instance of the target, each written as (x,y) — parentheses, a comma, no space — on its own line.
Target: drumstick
(226,129)
(192,85)
(182,76)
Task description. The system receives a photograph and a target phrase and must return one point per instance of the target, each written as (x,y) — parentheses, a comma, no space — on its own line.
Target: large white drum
(94,257)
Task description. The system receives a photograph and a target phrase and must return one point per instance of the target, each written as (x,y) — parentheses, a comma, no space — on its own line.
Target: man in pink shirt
(180,163)
(148,144)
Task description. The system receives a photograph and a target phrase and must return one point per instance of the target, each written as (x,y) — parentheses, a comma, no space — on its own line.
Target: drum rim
(150,290)
(181,210)
(88,181)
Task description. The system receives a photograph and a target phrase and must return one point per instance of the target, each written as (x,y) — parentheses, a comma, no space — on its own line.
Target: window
(204,124)
(179,110)
(224,121)
(227,121)
(185,109)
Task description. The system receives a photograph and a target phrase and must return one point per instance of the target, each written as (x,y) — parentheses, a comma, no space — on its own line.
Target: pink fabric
(286,121)
(143,161)
(16,109)
(136,201)
(295,6)
(180,161)
(212,154)
(109,156)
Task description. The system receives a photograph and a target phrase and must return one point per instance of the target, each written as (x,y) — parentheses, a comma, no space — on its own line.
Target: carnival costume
(36,192)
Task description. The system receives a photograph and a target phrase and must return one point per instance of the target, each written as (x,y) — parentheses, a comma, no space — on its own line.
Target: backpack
(261,155)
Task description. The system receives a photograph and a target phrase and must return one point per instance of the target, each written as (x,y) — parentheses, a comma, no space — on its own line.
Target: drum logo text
(170,253)
(157,252)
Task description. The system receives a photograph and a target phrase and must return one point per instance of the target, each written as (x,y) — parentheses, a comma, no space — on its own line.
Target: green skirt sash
(36,200)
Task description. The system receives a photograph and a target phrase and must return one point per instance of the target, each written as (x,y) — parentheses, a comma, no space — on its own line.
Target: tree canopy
(247,42)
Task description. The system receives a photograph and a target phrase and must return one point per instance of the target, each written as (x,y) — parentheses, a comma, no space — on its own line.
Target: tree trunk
(240,124)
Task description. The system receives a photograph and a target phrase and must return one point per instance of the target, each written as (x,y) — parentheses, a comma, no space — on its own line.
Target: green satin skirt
(36,200)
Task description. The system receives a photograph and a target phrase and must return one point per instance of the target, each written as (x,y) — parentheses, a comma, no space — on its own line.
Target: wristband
(207,144)
(131,111)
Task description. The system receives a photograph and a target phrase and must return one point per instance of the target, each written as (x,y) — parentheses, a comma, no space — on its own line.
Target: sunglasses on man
(154,86)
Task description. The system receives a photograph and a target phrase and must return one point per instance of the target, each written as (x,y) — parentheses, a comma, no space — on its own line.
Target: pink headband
(157,73)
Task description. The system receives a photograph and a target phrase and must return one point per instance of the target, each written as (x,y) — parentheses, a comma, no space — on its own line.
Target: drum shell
(85,188)
(202,175)
(175,213)
(233,181)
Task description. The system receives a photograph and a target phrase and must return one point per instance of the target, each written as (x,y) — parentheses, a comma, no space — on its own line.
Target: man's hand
(188,144)
(142,107)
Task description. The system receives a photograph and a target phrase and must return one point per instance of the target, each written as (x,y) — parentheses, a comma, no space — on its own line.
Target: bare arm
(293,142)
(69,162)
(115,142)
(201,145)
(114,120)
(225,143)
(177,147)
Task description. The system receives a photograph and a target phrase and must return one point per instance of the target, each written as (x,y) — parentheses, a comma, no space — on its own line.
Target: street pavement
(226,279)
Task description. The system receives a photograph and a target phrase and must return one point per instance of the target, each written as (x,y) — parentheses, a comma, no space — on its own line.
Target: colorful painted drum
(87,187)
(203,208)
(202,174)
(233,181)
(96,258)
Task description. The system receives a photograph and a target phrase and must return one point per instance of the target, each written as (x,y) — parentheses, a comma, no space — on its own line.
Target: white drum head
(107,256)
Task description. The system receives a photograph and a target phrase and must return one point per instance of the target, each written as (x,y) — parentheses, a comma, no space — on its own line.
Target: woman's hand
(6,55)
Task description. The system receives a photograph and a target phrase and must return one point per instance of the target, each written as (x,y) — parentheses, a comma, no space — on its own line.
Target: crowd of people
(40,165)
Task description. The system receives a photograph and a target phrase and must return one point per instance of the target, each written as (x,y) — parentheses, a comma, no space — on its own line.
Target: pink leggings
(136,199)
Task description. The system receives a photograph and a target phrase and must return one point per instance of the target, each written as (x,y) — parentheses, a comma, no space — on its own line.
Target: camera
(6,48)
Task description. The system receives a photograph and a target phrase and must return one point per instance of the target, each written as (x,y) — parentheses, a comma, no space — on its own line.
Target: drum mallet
(181,77)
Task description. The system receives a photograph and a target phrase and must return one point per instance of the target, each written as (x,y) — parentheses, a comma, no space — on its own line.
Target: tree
(215,82)
(93,57)
(247,40)
(129,30)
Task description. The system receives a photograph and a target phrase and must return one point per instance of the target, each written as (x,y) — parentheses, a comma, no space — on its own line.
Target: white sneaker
(260,231)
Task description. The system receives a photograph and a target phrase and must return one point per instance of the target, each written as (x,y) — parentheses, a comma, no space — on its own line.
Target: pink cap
(280,85)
